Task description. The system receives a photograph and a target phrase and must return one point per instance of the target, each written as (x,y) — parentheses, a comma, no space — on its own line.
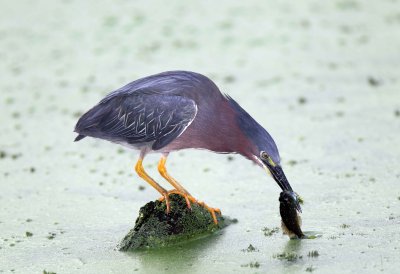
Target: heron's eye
(264,155)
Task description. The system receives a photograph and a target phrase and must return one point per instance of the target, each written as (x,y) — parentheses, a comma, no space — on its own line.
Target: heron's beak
(282,181)
(280,177)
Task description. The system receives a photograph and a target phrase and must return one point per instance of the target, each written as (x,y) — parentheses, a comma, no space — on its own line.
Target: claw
(166,198)
(174,191)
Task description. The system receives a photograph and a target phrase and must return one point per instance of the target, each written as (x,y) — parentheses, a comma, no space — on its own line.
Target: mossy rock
(154,228)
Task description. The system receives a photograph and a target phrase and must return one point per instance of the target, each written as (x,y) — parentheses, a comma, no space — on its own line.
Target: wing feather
(139,118)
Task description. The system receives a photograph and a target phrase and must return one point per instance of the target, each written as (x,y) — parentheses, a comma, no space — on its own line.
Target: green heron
(177,110)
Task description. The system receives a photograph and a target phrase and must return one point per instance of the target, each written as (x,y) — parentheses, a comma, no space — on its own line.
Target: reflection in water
(293,245)
(289,256)
(293,253)
(176,258)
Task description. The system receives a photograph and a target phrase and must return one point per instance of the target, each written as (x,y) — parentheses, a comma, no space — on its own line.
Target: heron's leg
(142,173)
(179,189)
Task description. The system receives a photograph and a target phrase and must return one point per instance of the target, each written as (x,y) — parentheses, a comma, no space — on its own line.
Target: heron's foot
(212,211)
(187,197)
(189,200)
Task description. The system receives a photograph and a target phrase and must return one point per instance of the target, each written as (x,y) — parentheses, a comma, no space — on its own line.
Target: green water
(322,77)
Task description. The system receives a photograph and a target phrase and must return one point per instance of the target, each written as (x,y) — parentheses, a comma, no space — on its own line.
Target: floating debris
(313,254)
(51,235)
(250,248)
(310,268)
(373,81)
(270,231)
(252,265)
(288,256)
(302,100)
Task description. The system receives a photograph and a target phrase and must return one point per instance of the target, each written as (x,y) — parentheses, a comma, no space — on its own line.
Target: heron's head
(269,159)
(271,162)
(262,148)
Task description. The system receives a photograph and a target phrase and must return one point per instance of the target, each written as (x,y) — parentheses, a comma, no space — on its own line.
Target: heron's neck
(250,134)
(224,132)
(221,131)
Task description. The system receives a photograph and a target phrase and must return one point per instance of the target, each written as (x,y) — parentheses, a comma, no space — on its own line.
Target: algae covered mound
(155,228)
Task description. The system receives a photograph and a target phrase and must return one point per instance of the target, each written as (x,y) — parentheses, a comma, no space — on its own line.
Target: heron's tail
(79,137)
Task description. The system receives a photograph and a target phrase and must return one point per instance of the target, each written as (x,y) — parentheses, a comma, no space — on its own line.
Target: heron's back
(180,83)
(150,111)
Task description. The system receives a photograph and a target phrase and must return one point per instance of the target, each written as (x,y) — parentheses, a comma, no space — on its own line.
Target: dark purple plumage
(177,110)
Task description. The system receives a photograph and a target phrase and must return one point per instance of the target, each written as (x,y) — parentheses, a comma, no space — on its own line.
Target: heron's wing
(139,118)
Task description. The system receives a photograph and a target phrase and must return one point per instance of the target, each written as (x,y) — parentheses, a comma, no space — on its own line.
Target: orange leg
(178,188)
(142,173)
(182,191)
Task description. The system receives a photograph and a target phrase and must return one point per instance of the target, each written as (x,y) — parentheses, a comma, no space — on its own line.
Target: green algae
(252,265)
(313,253)
(250,248)
(288,256)
(270,231)
(154,228)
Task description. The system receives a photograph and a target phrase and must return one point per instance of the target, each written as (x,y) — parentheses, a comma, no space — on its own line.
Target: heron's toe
(187,197)
(165,196)
(189,200)
(212,211)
